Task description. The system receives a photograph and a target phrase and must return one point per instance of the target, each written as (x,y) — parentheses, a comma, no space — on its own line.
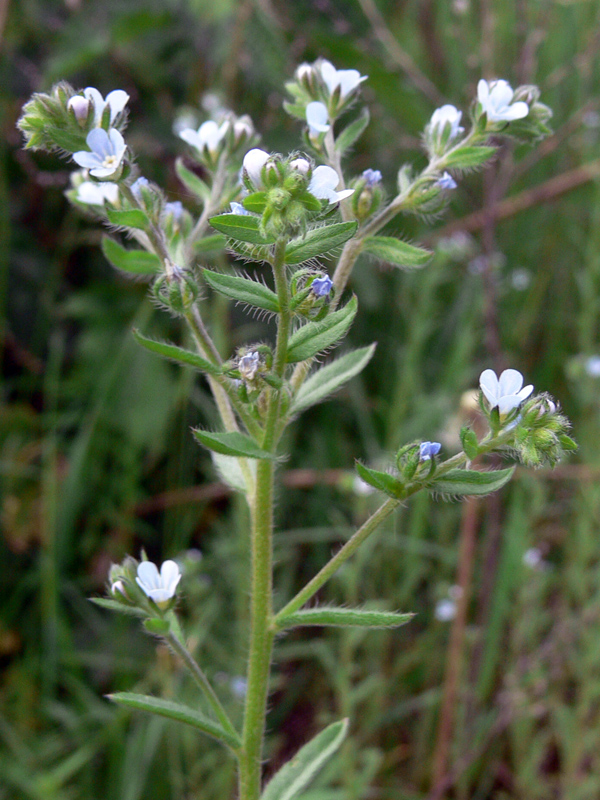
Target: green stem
(261,598)
(202,682)
(348,550)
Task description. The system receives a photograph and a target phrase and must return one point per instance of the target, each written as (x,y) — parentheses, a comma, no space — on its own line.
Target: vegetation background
(96,459)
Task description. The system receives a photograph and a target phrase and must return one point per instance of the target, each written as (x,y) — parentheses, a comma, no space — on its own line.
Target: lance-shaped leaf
(177,712)
(192,182)
(255,202)
(468,157)
(178,354)
(242,227)
(302,768)
(244,290)
(328,379)
(314,337)
(113,605)
(397,252)
(319,241)
(460,482)
(352,132)
(131,218)
(389,484)
(344,617)
(136,262)
(210,244)
(231,444)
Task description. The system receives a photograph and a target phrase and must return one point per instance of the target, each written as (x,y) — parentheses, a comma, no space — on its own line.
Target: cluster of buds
(175,290)
(320,94)
(287,191)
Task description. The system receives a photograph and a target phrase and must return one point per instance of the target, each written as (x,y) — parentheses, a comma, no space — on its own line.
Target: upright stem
(261,599)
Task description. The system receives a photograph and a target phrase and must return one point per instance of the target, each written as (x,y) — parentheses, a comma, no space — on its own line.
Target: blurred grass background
(96,459)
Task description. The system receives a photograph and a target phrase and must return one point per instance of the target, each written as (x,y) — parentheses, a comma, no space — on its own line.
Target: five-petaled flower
(322,286)
(446,115)
(347,79)
(504,392)
(107,151)
(428,449)
(496,100)
(446,181)
(160,587)
(208,135)
(323,185)
(317,118)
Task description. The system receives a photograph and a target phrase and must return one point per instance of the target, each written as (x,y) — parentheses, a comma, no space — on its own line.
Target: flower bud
(301,165)
(80,107)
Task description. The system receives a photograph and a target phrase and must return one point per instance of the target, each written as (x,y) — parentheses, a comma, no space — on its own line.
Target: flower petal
(343,194)
(170,576)
(97,140)
(508,402)
(317,116)
(349,79)
(510,382)
(254,161)
(483,92)
(518,110)
(324,180)
(330,75)
(192,137)
(117,100)
(94,95)
(147,576)
(117,142)
(526,391)
(488,381)
(87,160)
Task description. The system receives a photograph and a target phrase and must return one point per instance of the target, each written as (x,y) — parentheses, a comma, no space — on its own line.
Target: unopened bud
(301,165)
(80,107)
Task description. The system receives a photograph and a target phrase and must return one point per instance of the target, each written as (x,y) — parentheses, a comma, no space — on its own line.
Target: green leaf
(192,182)
(383,481)
(243,290)
(468,157)
(255,202)
(242,227)
(328,379)
(136,262)
(230,471)
(210,244)
(232,444)
(397,252)
(344,617)
(177,712)
(319,241)
(132,218)
(302,768)
(352,132)
(114,605)
(460,482)
(314,337)
(178,354)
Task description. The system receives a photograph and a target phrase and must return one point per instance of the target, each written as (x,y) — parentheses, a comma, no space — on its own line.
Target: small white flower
(316,118)
(208,135)
(445,610)
(347,79)
(159,587)
(446,115)
(495,99)
(248,365)
(116,101)
(243,127)
(446,181)
(323,184)
(107,151)
(253,162)
(80,107)
(504,392)
(532,558)
(95,194)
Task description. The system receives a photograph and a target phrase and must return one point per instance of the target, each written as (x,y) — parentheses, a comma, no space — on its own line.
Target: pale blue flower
(208,135)
(446,115)
(496,100)
(116,101)
(372,177)
(592,366)
(239,686)
(160,587)
(504,392)
(238,208)
(446,181)
(138,185)
(347,79)
(317,118)
(322,286)
(248,365)
(107,151)
(323,185)
(445,610)
(428,449)
(175,208)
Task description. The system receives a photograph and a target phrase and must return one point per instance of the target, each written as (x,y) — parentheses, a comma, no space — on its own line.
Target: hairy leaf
(243,289)
(178,354)
(328,379)
(314,337)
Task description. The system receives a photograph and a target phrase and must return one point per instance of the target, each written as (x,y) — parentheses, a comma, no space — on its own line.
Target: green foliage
(240,227)
(344,617)
(331,377)
(461,482)
(243,290)
(319,241)
(396,252)
(137,262)
(314,337)
(232,444)
(177,354)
